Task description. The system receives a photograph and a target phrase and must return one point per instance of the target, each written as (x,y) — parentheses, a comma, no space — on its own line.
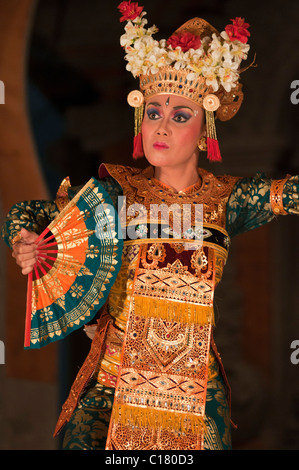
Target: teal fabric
(34,216)
(249,204)
(88,426)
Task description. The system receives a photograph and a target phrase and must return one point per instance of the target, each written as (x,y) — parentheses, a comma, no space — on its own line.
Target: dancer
(153,378)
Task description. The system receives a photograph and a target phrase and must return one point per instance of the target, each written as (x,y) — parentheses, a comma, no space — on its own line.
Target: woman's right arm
(22,225)
(33,216)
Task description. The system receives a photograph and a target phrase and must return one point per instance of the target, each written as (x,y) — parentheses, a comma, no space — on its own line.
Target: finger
(27,257)
(28,237)
(27,270)
(24,264)
(23,248)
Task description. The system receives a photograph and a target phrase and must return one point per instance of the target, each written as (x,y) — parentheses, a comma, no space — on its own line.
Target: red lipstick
(160,146)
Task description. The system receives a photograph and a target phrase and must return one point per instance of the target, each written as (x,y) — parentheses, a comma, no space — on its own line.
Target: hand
(25,252)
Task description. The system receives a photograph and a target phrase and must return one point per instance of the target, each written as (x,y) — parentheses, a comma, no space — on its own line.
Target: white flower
(219,50)
(196,67)
(239,51)
(146,47)
(228,75)
(178,57)
(140,19)
(211,79)
(192,76)
(132,33)
(217,59)
(152,30)
(157,58)
(194,54)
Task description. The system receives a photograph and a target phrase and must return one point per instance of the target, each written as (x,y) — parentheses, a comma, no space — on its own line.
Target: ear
(203,131)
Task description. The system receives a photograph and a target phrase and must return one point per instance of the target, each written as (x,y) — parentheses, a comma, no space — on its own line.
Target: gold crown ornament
(196,62)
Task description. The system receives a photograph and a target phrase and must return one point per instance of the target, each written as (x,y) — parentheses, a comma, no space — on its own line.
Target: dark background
(66,112)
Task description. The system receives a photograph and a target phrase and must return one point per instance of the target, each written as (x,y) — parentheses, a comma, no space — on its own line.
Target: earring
(202,144)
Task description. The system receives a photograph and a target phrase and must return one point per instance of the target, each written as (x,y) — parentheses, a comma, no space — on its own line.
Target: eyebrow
(183,107)
(153,104)
(175,107)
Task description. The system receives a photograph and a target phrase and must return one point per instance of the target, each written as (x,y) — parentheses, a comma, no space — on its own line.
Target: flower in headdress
(210,74)
(238,31)
(177,57)
(218,49)
(216,59)
(239,51)
(130,11)
(228,75)
(157,57)
(142,55)
(132,32)
(185,41)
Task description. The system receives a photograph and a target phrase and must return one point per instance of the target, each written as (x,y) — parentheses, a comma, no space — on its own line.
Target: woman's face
(171,128)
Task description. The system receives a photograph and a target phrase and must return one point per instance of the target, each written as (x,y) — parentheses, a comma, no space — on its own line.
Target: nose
(163,128)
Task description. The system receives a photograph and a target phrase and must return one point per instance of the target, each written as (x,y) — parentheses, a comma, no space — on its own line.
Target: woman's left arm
(258,200)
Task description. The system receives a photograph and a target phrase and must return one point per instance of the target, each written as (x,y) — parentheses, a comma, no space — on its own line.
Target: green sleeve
(249,204)
(34,216)
(291,195)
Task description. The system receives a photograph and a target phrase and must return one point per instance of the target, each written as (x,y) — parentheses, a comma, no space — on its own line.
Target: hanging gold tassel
(128,415)
(138,117)
(173,310)
(212,141)
(138,147)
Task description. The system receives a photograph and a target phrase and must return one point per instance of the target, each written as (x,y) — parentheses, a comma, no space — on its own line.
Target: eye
(181,117)
(153,114)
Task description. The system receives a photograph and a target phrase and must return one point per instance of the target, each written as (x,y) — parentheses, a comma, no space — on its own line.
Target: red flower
(129,10)
(184,40)
(238,30)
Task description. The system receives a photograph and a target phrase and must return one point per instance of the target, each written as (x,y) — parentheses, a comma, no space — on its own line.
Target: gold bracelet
(16,239)
(276,198)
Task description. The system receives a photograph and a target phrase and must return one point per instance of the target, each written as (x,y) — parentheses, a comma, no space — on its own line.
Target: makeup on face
(171,128)
(179,114)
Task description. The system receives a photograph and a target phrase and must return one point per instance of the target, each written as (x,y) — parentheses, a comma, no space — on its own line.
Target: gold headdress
(196,62)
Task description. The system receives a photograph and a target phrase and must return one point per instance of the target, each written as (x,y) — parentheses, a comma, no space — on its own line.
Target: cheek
(196,128)
(147,136)
(190,136)
(144,128)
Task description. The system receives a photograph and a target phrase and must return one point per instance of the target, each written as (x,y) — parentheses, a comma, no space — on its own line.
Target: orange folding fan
(78,259)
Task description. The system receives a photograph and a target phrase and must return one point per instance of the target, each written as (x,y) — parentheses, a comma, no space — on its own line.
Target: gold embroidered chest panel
(162,303)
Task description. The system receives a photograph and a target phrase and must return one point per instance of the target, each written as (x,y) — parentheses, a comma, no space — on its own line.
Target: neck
(179,177)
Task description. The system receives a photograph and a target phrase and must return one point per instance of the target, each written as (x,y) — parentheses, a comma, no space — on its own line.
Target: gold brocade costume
(157,348)
(153,378)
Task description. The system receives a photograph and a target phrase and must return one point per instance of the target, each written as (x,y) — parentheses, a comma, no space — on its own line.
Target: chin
(158,160)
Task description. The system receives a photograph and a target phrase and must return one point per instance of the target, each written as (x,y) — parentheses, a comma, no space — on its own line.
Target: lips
(160,146)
